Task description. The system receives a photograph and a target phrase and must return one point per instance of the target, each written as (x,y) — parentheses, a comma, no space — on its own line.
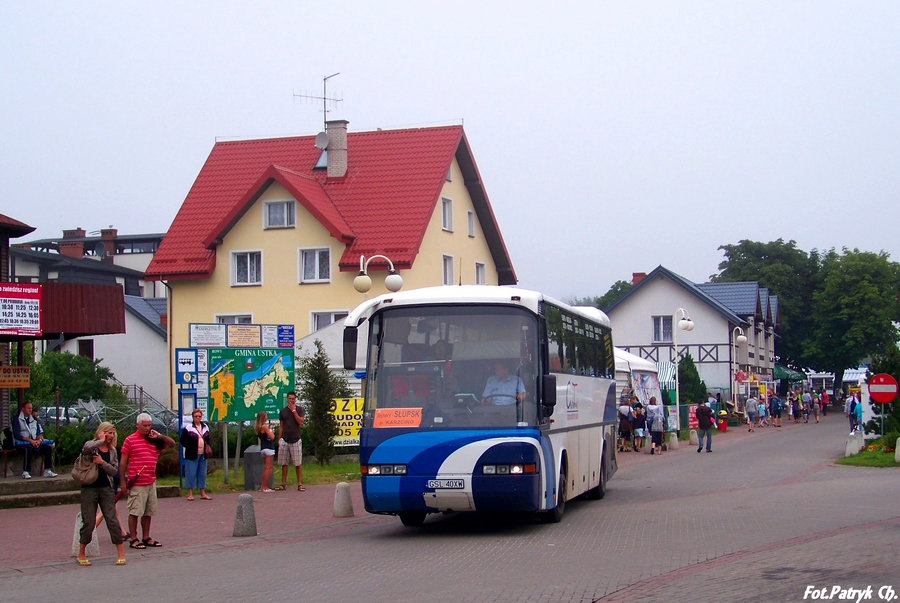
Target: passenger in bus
(503,389)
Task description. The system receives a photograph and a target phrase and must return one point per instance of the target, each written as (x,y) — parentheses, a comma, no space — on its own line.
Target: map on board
(244,381)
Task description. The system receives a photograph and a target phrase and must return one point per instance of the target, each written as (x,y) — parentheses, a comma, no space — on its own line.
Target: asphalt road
(764,517)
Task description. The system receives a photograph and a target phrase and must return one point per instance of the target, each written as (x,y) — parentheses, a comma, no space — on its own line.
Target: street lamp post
(684,324)
(738,341)
(363,282)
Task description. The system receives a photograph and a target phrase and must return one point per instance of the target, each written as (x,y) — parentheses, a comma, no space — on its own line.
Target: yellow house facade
(286,248)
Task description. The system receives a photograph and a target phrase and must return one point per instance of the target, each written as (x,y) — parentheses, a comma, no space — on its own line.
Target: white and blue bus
(481,398)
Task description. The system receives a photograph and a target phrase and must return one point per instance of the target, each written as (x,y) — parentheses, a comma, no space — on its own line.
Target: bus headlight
(383,469)
(512,469)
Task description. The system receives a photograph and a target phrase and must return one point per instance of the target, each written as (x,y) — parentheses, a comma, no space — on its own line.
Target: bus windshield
(451,367)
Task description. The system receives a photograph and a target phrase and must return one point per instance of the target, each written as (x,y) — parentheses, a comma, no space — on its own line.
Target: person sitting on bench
(28,435)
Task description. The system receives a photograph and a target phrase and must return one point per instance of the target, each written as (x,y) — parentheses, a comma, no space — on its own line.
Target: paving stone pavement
(762,517)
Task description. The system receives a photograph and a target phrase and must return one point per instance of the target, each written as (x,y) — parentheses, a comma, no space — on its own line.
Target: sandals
(266,490)
(150,543)
(136,544)
(301,488)
(190,498)
(83,562)
(120,561)
(281,487)
(205,497)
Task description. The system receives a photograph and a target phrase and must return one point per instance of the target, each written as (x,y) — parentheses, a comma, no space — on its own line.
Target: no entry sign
(882,388)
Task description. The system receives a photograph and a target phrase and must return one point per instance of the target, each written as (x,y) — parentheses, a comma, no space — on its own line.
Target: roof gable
(307,191)
(685,284)
(381,206)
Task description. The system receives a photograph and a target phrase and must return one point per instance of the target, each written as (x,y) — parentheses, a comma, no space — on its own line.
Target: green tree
(318,386)
(690,388)
(853,310)
(77,377)
(787,272)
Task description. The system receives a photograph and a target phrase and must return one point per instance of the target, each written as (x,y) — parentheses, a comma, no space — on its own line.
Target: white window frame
(300,253)
(234,276)
(470,222)
(447,214)
(480,273)
(659,329)
(290,207)
(450,173)
(447,268)
(239,318)
(334,316)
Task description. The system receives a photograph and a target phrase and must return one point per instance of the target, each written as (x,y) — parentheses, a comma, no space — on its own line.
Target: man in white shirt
(29,436)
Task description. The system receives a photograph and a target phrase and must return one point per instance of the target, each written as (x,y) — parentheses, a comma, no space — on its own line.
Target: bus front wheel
(412,519)
(555,514)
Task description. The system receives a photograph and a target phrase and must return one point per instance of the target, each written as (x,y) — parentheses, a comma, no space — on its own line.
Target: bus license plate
(439,484)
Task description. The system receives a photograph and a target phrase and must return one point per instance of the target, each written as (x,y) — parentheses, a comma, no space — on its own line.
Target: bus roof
(473,294)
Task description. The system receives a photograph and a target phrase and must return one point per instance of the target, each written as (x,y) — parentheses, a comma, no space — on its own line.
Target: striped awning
(666,374)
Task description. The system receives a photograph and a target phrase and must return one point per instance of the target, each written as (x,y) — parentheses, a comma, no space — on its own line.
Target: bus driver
(503,389)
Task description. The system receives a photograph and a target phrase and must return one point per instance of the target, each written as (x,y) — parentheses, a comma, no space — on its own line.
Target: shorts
(142,500)
(751,416)
(290,454)
(267,452)
(775,414)
(638,432)
(656,437)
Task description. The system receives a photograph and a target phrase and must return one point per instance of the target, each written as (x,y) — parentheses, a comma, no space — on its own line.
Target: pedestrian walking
(705,423)
(640,427)
(656,422)
(752,408)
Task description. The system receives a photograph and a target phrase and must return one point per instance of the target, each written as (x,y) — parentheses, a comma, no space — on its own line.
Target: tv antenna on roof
(324,98)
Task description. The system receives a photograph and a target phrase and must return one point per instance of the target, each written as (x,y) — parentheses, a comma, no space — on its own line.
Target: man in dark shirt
(290,447)
(705,424)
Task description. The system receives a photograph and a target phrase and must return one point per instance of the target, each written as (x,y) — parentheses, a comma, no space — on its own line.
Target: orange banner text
(397,417)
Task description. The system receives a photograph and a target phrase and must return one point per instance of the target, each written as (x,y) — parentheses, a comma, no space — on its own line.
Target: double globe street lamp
(363,282)
(738,339)
(684,324)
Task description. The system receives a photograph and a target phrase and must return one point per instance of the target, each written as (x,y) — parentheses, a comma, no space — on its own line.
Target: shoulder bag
(85,471)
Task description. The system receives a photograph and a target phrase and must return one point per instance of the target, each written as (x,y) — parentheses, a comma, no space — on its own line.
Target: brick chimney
(164,321)
(637,277)
(337,147)
(74,233)
(108,238)
(71,249)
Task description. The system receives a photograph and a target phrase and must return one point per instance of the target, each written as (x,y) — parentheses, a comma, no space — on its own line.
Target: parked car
(47,415)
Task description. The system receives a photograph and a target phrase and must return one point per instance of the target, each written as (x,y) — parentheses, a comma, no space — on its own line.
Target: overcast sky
(611,137)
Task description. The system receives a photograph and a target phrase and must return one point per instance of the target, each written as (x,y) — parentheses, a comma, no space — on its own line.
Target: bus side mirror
(350,336)
(548,393)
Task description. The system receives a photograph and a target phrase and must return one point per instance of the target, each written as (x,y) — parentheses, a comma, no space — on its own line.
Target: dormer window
(322,163)
(279,214)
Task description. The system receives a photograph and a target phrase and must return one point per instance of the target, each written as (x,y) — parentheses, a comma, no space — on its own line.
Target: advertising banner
(244,381)
(348,414)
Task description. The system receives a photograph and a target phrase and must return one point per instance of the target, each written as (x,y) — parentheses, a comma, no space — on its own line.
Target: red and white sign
(882,388)
(20,309)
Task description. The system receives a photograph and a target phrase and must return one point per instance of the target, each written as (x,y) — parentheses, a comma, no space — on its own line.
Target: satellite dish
(321,141)
(100,249)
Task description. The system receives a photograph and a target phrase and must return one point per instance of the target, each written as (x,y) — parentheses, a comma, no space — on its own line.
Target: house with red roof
(272,230)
